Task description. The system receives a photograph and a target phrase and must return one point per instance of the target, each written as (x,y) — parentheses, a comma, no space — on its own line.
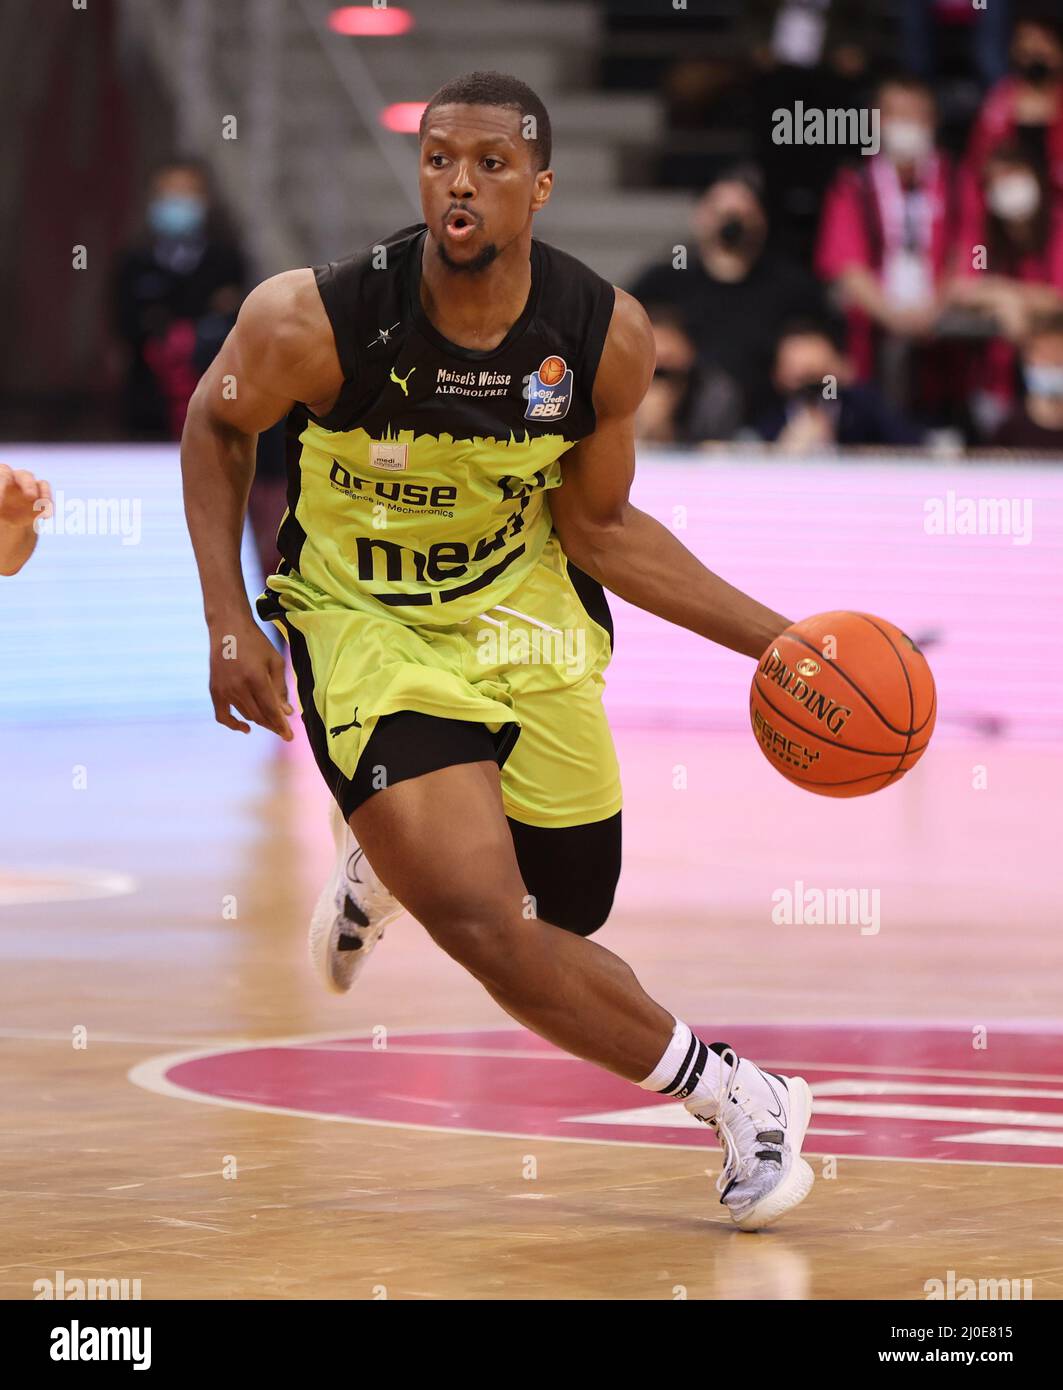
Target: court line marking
(150,1075)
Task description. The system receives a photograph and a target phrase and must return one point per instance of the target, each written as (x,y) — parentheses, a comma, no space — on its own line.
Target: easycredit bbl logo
(549,390)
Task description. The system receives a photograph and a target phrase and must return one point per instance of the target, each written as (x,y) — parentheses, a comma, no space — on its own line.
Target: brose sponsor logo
(433,496)
(820,706)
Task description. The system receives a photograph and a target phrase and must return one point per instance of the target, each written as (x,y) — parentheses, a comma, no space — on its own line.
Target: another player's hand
(247,674)
(23,498)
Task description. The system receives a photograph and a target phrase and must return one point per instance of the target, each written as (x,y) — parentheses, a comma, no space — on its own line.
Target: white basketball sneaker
(761,1123)
(351,913)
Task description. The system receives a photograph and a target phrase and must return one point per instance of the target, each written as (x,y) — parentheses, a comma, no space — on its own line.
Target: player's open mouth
(459,226)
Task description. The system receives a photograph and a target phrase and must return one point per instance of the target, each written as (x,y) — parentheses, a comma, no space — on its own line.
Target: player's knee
(478,934)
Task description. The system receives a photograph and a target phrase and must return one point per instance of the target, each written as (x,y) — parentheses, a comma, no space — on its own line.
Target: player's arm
(23,498)
(626,550)
(281,350)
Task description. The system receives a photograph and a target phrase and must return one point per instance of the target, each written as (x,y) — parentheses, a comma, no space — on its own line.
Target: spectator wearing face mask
(730,293)
(1025,109)
(819,404)
(887,228)
(1037,421)
(177,291)
(1009,268)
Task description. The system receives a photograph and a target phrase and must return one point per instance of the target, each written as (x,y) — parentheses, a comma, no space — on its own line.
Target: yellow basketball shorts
(529,670)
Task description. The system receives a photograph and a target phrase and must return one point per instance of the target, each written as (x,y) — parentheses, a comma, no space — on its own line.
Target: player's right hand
(247,674)
(23,498)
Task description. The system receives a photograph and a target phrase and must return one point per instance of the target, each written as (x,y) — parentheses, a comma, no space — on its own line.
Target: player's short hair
(497,89)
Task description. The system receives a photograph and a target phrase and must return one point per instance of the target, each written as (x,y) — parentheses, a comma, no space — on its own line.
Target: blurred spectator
(680,407)
(661,417)
(1025,108)
(1009,268)
(1037,422)
(961,48)
(732,291)
(819,404)
(816,53)
(177,291)
(886,231)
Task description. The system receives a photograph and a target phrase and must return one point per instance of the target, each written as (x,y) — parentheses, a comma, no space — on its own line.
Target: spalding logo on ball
(848,723)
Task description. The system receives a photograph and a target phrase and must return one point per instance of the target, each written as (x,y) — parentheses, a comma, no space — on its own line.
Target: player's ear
(544,182)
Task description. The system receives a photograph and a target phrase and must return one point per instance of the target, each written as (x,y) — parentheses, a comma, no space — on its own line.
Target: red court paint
(882,1090)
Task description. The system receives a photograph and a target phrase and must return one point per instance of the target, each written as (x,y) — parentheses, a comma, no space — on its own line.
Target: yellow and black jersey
(424,489)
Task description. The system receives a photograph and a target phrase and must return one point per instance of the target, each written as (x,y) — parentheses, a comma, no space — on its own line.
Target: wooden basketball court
(184,1106)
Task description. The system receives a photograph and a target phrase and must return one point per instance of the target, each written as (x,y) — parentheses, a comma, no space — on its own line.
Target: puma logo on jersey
(342,728)
(402,380)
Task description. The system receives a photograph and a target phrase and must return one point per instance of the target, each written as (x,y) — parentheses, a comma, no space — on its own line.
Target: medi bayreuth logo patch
(549,390)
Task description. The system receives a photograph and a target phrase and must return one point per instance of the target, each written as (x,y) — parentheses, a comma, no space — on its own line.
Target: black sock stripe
(677,1080)
(698,1067)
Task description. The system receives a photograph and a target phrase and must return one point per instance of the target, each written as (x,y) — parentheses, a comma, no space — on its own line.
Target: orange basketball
(552,370)
(843,704)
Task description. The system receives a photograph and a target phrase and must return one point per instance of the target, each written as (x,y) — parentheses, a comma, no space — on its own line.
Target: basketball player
(23,499)
(460,404)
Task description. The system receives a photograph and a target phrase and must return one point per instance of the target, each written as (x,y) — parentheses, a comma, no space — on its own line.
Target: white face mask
(1014,196)
(1044,380)
(906,142)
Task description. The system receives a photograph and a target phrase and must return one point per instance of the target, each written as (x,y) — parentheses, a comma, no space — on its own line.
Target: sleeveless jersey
(424,489)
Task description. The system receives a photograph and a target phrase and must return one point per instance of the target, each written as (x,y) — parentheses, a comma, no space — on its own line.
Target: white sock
(689,1071)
